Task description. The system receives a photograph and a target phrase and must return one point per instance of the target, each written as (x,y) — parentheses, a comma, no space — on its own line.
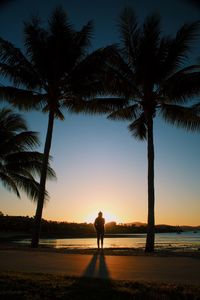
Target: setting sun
(106,215)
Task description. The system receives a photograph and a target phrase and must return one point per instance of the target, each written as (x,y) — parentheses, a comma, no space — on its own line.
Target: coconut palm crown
(19,164)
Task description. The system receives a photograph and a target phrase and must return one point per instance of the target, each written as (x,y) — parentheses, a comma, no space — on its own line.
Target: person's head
(100,214)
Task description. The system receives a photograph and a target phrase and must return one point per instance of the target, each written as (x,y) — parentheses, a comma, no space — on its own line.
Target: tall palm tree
(55,73)
(146,75)
(19,164)
(151,77)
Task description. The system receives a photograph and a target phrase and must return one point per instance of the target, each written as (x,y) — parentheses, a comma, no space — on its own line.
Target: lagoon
(185,241)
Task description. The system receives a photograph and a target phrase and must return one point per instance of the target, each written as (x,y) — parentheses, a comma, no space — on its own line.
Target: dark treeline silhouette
(67,229)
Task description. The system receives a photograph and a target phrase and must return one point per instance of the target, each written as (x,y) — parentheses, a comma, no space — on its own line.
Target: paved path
(148,268)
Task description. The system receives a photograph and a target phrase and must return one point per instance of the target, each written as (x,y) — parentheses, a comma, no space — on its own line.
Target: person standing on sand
(99,226)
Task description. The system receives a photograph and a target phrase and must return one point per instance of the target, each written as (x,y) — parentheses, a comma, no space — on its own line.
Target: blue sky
(99,165)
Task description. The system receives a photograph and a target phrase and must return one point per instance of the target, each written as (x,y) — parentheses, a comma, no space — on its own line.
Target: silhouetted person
(99,226)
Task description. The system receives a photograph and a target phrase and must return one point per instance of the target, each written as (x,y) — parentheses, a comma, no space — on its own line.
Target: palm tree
(19,164)
(55,73)
(146,75)
(152,79)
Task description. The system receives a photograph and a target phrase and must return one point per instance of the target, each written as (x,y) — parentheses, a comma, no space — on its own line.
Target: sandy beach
(176,268)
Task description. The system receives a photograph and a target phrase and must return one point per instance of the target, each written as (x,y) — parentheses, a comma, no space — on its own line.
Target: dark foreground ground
(47,286)
(116,274)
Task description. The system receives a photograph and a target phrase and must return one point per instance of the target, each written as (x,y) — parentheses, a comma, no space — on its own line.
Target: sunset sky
(99,165)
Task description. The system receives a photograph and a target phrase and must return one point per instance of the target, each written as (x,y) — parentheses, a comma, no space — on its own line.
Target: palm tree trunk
(151,197)
(40,202)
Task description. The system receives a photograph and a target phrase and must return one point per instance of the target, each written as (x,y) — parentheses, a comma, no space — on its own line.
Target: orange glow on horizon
(106,215)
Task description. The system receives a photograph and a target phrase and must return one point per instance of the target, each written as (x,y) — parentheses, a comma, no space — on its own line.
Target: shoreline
(14,241)
(176,252)
(23,235)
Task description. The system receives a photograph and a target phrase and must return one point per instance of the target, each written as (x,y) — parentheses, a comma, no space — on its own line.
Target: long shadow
(103,271)
(94,283)
(91,268)
(97,267)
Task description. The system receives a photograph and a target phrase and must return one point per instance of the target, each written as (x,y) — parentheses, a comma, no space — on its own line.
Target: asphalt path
(185,270)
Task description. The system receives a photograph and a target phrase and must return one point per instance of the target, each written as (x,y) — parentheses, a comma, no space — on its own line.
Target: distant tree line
(25,225)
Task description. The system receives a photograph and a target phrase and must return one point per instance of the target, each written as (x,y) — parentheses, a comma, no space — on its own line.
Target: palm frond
(59,23)
(27,161)
(138,128)
(23,99)
(151,32)
(14,65)
(130,32)
(56,108)
(181,116)
(36,39)
(11,122)
(104,72)
(149,45)
(181,86)
(23,141)
(60,56)
(126,113)
(19,166)
(29,186)
(9,184)
(59,115)
(88,71)
(120,78)
(96,105)
(196,108)
(19,170)
(82,39)
(180,47)
(161,55)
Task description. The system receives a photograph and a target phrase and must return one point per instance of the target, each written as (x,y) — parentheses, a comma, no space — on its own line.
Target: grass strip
(35,286)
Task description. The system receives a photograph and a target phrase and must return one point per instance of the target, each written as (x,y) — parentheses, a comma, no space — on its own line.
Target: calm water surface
(185,240)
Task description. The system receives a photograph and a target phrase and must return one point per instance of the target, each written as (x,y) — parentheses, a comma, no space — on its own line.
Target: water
(185,241)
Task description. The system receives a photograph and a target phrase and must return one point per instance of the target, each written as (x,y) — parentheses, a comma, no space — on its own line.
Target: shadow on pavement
(97,267)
